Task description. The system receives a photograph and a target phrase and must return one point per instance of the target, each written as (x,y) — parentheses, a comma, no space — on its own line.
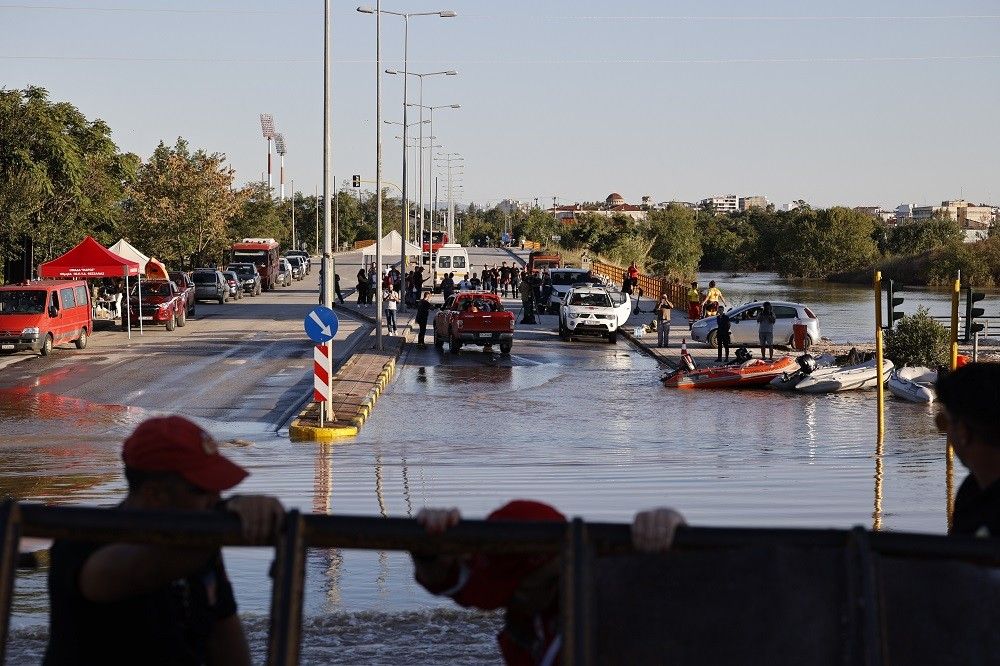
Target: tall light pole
(279,146)
(328,263)
(406,208)
(421,76)
(448,159)
(294,246)
(267,129)
(430,158)
(406,71)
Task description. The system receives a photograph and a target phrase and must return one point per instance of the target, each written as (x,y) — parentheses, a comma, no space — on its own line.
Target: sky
(853,103)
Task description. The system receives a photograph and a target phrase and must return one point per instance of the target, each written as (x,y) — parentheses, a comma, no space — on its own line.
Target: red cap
(175,444)
(527,510)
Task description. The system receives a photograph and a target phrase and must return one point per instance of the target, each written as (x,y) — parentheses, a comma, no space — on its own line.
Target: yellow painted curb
(298,432)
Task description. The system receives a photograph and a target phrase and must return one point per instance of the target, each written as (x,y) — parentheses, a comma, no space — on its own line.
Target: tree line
(62,177)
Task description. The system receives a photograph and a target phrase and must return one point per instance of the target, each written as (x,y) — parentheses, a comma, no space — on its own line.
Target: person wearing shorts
(694,304)
(765,331)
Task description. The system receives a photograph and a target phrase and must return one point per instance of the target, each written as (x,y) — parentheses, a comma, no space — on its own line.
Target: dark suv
(210,285)
(249,277)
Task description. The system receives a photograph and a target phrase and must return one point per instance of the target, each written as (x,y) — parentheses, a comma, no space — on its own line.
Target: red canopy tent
(90,259)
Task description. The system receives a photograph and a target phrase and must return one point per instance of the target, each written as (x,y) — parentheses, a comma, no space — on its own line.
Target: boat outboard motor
(806,363)
(743,354)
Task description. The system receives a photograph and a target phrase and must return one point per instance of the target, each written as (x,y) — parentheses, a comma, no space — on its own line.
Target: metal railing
(652,286)
(576,544)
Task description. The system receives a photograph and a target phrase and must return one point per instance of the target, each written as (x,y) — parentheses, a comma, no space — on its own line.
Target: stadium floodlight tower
(267,128)
(279,146)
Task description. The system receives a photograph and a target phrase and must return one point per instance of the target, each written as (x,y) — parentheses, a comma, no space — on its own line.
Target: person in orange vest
(525,585)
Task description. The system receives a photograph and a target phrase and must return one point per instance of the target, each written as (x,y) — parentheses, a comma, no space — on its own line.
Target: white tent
(392,243)
(126,250)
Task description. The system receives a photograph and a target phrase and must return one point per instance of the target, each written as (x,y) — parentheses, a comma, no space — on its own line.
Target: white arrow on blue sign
(321,324)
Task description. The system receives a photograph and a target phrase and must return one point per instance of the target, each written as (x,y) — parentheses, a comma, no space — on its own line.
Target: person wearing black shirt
(722,333)
(971,398)
(122,603)
(423,312)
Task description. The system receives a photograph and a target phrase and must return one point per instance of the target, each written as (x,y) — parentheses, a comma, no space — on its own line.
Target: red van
(41,314)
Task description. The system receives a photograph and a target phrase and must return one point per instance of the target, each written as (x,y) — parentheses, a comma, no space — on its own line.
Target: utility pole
(294,246)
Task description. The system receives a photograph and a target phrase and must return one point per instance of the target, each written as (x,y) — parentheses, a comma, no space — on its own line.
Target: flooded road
(584,426)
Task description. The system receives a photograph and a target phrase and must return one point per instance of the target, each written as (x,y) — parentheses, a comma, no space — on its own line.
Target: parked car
(38,315)
(564,279)
(249,277)
(474,318)
(298,267)
(744,327)
(589,310)
(235,288)
(186,286)
(305,258)
(162,303)
(210,285)
(284,272)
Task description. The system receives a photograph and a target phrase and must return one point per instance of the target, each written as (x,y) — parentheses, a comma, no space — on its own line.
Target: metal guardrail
(652,286)
(576,543)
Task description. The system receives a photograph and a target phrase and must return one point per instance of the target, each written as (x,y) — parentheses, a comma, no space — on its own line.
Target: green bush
(918,340)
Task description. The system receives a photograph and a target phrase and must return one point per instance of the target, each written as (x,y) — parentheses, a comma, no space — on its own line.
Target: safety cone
(686,360)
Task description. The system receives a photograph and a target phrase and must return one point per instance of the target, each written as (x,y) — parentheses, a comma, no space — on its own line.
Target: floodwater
(846,312)
(584,426)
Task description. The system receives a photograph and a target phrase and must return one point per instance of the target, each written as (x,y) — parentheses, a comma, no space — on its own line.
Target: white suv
(591,310)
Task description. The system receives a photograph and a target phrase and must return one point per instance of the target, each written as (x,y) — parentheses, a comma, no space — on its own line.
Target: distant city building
(684,204)
(975,221)
(729,203)
(647,201)
(879,213)
(746,203)
(791,205)
(510,205)
(614,199)
(614,204)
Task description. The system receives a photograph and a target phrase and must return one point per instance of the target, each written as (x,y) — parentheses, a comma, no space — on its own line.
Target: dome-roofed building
(614,199)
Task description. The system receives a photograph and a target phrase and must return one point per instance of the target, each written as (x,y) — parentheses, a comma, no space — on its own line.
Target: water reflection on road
(588,428)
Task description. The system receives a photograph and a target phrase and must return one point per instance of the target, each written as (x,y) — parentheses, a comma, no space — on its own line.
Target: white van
(451,258)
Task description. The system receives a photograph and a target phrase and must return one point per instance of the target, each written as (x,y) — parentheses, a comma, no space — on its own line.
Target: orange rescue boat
(755,372)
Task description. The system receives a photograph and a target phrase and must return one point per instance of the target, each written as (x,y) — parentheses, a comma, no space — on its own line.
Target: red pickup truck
(474,318)
(162,303)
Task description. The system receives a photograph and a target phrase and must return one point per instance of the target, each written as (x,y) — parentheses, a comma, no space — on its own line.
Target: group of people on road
(119,602)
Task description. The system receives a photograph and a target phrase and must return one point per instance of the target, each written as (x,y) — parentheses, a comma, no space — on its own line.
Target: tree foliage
(61,175)
(918,340)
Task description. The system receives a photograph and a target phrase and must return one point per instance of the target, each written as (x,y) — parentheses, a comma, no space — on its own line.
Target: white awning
(126,250)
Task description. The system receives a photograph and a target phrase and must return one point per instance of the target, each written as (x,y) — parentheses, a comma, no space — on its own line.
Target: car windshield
(295,261)
(594,300)
(204,278)
(152,289)
(574,277)
(22,302)
(243,271)
(231,275)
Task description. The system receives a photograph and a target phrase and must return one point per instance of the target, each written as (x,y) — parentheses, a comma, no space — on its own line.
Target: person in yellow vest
(713,299)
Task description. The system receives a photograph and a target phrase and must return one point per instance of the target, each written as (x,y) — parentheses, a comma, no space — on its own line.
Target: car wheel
(182,318)
(563,331)
(613,337)
(712,339)
(172,322)
(505,347)
(454,344)
(222,299)
(809,342)
(81,342)
(191,311)
(47,345)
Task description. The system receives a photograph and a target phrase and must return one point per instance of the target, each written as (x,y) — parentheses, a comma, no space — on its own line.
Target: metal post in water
(329,265)
(953,364)
(879,355)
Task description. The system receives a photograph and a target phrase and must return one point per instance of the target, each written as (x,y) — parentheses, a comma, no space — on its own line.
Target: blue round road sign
(321,324)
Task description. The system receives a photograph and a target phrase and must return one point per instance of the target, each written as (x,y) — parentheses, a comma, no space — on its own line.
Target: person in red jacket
(525,585)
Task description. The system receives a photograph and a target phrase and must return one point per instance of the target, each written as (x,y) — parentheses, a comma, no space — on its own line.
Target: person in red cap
(122,603)
(526,586)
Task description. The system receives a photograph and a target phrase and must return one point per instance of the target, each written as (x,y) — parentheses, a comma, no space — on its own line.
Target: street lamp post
(279,146)
(406,71)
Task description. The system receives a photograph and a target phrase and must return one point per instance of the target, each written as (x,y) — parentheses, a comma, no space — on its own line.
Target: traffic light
(355,180)
(971,327)
(891,303)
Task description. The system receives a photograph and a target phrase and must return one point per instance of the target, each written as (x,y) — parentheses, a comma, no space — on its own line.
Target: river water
(584,426)
(846,312)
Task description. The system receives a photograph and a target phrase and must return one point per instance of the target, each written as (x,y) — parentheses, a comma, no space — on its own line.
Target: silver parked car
(744,327)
